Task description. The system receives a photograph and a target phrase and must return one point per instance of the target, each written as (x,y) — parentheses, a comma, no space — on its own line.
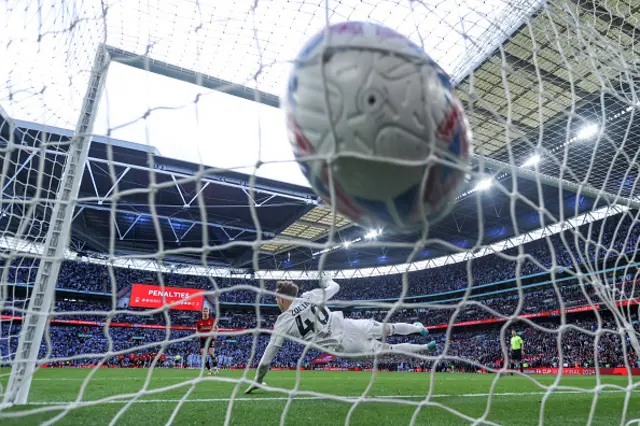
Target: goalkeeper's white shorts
(361,337)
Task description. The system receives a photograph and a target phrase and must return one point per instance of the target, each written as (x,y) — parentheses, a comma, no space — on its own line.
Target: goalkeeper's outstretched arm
(263,367)
(328,289)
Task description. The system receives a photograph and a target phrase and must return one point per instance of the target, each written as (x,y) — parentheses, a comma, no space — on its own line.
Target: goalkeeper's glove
(252,387)
(325,278)
(260,373)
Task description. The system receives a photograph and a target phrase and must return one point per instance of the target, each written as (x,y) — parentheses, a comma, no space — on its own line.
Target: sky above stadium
(49,48)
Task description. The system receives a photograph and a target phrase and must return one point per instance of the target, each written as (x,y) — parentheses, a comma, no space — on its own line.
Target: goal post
(41,297)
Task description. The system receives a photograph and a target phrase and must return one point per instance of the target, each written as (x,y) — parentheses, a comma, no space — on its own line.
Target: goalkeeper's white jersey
(308,319)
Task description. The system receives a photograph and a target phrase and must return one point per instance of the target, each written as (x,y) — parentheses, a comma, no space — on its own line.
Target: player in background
(132,360)
(207,325)
(516,351)
(306,318)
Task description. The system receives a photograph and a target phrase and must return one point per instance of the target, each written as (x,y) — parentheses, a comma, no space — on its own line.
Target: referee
(516,351)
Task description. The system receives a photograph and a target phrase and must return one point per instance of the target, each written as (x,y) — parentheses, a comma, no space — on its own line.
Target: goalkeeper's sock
(208,365)
(404,329)
(410,348)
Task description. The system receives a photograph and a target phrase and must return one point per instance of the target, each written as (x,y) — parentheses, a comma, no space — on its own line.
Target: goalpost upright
(57,239)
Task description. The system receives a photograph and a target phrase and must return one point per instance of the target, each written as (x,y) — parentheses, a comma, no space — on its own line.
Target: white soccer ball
(370,113)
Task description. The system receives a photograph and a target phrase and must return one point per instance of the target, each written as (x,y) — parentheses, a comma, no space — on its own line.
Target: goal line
(347,399)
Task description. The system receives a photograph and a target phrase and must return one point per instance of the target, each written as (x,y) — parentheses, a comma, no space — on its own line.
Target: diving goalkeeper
(307,318)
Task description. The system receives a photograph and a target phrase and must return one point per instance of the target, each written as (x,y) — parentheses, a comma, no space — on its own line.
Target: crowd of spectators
(543,349)
(531,302)
(612,238)
(465,349)
(130,346)
(544,299)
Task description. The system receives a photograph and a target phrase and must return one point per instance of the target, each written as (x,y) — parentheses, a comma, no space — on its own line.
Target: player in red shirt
(207,329)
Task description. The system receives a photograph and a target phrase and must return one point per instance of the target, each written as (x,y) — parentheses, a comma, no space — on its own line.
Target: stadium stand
(615,241)
(467,350)
(83,288)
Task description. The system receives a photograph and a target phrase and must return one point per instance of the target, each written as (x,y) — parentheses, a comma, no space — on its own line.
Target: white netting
(543,239)
(29,181)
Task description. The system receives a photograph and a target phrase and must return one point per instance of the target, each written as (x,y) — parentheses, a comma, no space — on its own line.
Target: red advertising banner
(584,308)
(620,371)
(152,296)
(573,371)
(331,369)
(584,371)
(554,313)
(565,371)
(117,324)
(323,359)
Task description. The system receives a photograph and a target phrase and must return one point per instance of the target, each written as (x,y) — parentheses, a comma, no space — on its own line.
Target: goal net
(146,175)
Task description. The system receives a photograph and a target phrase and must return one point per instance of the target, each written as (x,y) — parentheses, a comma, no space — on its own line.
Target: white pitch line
(346,398)
(81,379)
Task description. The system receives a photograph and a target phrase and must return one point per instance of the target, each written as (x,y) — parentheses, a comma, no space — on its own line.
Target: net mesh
(30,179)
(548,87)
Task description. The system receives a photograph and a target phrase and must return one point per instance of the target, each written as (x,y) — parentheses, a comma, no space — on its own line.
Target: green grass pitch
(323,398)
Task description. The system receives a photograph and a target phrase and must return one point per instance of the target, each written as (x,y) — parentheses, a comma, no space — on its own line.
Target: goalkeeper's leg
(375,330)
(404,329)
(363,337)
(413,348)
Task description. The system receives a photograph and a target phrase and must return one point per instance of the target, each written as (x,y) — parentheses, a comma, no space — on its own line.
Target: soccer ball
(371,114)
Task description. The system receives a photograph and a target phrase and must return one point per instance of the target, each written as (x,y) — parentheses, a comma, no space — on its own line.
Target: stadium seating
(83,276)
(482,308)
(470,349)
(480,345)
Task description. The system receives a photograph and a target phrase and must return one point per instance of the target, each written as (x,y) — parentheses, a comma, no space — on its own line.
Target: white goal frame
(57,239)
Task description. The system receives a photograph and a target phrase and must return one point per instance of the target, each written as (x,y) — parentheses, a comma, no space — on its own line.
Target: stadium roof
(578,124)
(126,213)
(551,86)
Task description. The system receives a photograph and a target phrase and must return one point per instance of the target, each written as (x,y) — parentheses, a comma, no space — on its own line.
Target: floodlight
(531,161)
(484,184)
(372,234)
(588,131)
